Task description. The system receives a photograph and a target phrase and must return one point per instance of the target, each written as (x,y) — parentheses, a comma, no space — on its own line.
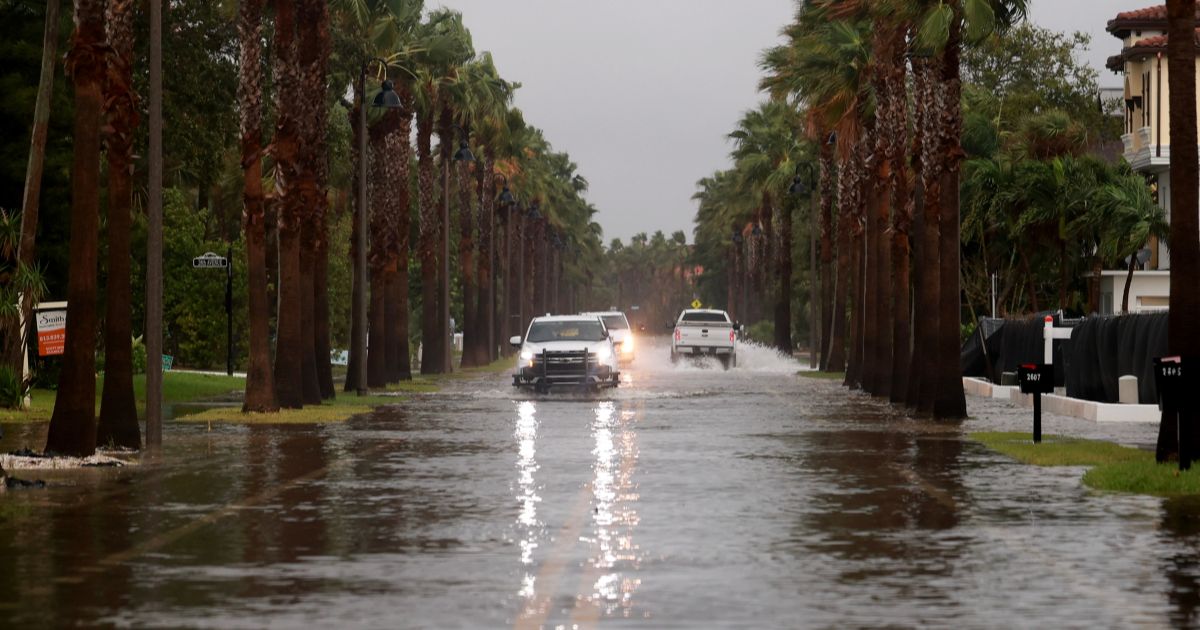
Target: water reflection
(1181,526)
(614,513)
(527,494)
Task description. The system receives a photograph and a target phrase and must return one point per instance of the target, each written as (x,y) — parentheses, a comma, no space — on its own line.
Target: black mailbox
(1036,378)
(1169,380)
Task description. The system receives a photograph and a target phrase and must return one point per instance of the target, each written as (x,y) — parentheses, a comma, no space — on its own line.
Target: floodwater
(689,498)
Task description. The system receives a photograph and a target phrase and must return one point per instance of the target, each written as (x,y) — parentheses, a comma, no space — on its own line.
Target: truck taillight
(731,336)
(678,335)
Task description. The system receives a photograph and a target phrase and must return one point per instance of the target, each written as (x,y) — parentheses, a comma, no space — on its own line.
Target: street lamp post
(462,155)
(386,97)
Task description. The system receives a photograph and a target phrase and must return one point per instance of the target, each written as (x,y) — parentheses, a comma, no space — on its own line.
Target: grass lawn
(347,405)
(178,387)
(1112,467)
(824,376)
(184,387)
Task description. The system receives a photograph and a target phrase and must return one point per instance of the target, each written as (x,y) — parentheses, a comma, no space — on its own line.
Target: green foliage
(1144,476)
(13,388)
(762,333)
(194,299)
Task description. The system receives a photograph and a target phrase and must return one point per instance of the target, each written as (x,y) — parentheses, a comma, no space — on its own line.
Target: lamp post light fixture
(388,98)
(462,155)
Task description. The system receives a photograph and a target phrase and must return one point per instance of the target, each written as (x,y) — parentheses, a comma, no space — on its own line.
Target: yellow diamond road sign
(696,304)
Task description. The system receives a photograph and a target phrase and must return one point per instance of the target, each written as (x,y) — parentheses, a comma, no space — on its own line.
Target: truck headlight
(603,353)
(627,345)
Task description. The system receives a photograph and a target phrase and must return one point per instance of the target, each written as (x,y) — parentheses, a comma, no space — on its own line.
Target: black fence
(1089,365)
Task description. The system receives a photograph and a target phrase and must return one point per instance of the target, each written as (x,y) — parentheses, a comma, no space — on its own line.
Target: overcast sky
(642,92)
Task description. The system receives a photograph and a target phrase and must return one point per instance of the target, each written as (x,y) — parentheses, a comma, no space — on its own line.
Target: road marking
(537,611)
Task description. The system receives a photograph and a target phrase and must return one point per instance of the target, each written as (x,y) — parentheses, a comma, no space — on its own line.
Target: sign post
(211,260)
(1169,375)
(1036,379)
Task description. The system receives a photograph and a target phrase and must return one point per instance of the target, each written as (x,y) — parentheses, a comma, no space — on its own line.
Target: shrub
(762,333)
(13,388)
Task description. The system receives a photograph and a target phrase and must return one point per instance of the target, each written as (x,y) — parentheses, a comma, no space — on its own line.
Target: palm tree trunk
(898,143)
(427,244)
(400,152)
(484,313)
(1128,281)
(825,190)
(73,423)
(380,191)
(783,299)
(468,267)
(950,402)
(356,332)
(1183,336)
(118,424)
(289,346)
(836,358)
(321,326)
(26,249)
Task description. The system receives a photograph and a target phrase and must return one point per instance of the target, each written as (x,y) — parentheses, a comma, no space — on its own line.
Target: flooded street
(690,497)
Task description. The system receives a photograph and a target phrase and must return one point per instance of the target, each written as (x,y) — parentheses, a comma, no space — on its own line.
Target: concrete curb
(1065,406)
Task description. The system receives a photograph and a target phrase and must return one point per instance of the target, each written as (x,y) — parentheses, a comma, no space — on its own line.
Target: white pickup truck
(705,332)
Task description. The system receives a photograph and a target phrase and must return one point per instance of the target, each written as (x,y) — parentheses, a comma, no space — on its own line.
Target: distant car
(565,350)
(705,332)
(618,328)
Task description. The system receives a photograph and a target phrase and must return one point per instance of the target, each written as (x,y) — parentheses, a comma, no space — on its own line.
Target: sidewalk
(993,414)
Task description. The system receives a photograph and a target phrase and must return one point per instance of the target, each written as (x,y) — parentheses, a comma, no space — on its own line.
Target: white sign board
(210,260)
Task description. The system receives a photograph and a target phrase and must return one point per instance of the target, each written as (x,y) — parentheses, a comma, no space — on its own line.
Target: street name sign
(210,260)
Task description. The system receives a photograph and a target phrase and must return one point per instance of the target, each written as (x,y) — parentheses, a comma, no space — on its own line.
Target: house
(1147,147)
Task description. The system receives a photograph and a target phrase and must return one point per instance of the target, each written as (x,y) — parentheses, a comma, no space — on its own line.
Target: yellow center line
(546,583)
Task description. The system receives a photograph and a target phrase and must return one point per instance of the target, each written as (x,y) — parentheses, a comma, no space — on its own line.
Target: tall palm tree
(30,200)
(765,154)
(260,379)
(286,149)
(73,423)
(1183,339)
(118,424)
(433,75)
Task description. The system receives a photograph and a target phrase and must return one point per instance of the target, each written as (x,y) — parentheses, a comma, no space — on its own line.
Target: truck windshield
(705,318)
(543,332)
(615,322)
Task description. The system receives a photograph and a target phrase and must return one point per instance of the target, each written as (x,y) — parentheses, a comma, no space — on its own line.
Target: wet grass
(339,409)
(1056,450)
(823,376)
(178,387)
(347,405)
(1112,467)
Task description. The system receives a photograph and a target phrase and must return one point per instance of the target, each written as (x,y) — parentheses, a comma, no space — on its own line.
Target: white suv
(619,330)
(565,350)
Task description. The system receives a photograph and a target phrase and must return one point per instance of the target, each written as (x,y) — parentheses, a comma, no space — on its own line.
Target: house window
(1153,302)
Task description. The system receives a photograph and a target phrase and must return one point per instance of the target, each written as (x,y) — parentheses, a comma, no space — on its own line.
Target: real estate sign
(51,331)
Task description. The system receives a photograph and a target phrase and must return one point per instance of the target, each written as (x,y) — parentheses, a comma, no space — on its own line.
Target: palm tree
(1183,336)
(118,424)
(1130,218)
(765,152)
(260,380)
(33,172)
(286,149)
(433,75)
(73,423)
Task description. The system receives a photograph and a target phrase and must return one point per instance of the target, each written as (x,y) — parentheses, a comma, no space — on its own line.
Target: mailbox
(1169,380)
(1036,378)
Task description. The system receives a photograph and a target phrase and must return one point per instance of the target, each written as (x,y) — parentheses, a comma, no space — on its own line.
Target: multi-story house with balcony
(1147,146)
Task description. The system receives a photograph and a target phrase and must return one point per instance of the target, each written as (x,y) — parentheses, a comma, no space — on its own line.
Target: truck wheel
(674,357)
(724,359)
(733,360)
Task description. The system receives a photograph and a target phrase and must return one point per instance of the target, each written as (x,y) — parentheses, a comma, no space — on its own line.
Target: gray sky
(642,92)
